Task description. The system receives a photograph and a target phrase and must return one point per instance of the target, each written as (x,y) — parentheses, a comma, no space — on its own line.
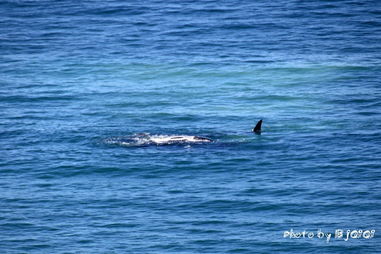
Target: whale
(146,139)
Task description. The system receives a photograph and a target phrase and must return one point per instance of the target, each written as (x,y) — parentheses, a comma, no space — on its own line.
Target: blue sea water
(76,74)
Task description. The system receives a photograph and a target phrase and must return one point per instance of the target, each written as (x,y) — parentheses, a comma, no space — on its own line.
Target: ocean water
(76,74)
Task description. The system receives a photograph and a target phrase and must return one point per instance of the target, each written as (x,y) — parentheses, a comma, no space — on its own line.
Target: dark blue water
(76,74)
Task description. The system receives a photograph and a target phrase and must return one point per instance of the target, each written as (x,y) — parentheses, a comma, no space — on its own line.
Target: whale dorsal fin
(258,128)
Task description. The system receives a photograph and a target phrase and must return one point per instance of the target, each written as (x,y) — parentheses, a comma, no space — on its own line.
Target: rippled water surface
(81,79)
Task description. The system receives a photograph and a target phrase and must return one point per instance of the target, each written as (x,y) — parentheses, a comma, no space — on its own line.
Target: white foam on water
(147,139)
